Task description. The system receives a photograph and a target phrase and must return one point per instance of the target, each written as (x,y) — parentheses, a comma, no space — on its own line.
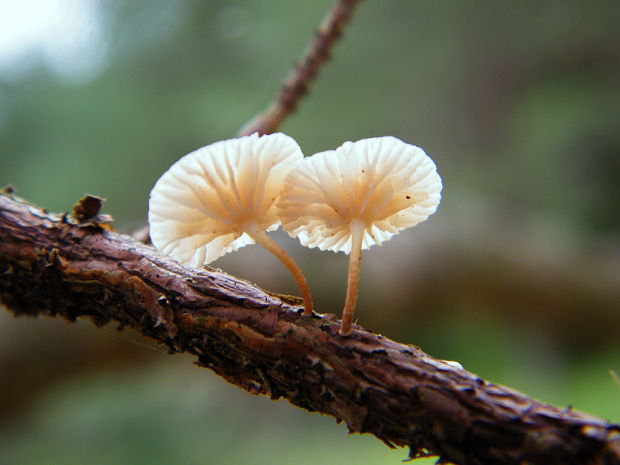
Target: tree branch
(296,84)
(62,266)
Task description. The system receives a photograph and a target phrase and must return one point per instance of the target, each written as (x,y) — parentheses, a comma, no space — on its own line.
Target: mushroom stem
(263,239)
(355,259)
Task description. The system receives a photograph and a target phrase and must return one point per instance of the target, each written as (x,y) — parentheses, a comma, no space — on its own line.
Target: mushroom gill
(356,196)
(222,197)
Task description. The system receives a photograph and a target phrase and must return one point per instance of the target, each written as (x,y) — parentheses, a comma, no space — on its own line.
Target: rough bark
(70,267)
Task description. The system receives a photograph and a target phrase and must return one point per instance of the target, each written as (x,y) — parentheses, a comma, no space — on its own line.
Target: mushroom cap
(198,208)
(384,182)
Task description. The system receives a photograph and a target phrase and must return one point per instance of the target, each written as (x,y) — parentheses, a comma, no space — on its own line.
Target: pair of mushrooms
(228,194)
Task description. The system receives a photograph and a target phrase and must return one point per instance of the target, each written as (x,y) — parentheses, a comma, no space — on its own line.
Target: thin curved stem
(262,238)
(353,281)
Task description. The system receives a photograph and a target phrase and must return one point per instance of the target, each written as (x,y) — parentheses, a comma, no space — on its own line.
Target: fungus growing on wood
(221,197)
(356,196)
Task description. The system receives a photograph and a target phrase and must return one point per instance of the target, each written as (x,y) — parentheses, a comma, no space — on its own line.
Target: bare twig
(296,84)
(59,266)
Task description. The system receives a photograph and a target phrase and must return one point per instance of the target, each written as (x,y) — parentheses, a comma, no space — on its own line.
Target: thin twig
(61,266)
(296,84)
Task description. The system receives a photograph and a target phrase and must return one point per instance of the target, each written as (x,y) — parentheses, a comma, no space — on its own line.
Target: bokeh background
(517,276)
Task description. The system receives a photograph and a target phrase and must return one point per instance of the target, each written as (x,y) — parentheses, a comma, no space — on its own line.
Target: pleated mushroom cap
(198,208)
(384,182)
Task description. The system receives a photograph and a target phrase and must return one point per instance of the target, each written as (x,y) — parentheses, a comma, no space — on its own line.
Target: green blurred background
(517,276)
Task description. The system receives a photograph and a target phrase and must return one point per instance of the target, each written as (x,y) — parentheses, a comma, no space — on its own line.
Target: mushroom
(221,197)
(356,196)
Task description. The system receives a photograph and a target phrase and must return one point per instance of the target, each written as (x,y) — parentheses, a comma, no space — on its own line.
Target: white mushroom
(221,197)
(356,196)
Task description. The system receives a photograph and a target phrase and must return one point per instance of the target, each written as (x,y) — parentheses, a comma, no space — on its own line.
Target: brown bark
(62,266)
